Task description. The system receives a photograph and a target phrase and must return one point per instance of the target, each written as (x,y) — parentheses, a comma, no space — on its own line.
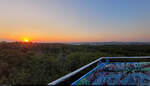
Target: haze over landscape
(75,20)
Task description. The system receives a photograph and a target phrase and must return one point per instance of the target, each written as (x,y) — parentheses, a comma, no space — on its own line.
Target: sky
(75,20)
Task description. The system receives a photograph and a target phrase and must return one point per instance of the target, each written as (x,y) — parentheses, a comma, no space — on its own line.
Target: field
(41,63)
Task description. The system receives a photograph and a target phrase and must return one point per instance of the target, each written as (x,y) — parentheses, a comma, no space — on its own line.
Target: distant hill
(81,43)
(110,43)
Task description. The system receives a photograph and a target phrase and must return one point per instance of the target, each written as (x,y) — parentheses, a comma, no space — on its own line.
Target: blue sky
(75,20)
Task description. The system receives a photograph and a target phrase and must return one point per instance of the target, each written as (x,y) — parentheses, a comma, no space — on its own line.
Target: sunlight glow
(26,40)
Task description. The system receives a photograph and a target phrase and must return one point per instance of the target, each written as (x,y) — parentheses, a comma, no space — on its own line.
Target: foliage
(41,63)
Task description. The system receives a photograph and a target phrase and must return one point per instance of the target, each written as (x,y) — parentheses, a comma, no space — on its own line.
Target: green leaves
(40,63)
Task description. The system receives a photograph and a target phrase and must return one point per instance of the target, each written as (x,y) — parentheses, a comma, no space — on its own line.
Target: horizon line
(80,42)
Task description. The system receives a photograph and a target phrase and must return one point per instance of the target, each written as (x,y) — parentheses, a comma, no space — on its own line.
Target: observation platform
(112,71)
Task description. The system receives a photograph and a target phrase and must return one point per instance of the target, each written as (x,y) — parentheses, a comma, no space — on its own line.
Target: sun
(26,40)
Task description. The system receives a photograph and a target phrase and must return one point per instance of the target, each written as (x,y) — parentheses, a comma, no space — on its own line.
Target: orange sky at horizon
(67,39)
(52,40)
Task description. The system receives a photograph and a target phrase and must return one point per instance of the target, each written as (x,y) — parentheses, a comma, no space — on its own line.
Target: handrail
(73,73)
(86,66)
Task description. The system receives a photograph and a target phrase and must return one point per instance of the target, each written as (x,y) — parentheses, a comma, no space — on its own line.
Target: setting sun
(26,40)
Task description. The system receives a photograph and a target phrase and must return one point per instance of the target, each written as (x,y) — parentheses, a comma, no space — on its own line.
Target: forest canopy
(41,63)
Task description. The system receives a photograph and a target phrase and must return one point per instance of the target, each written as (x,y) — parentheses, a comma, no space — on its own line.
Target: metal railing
(88,65)
(73,73)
